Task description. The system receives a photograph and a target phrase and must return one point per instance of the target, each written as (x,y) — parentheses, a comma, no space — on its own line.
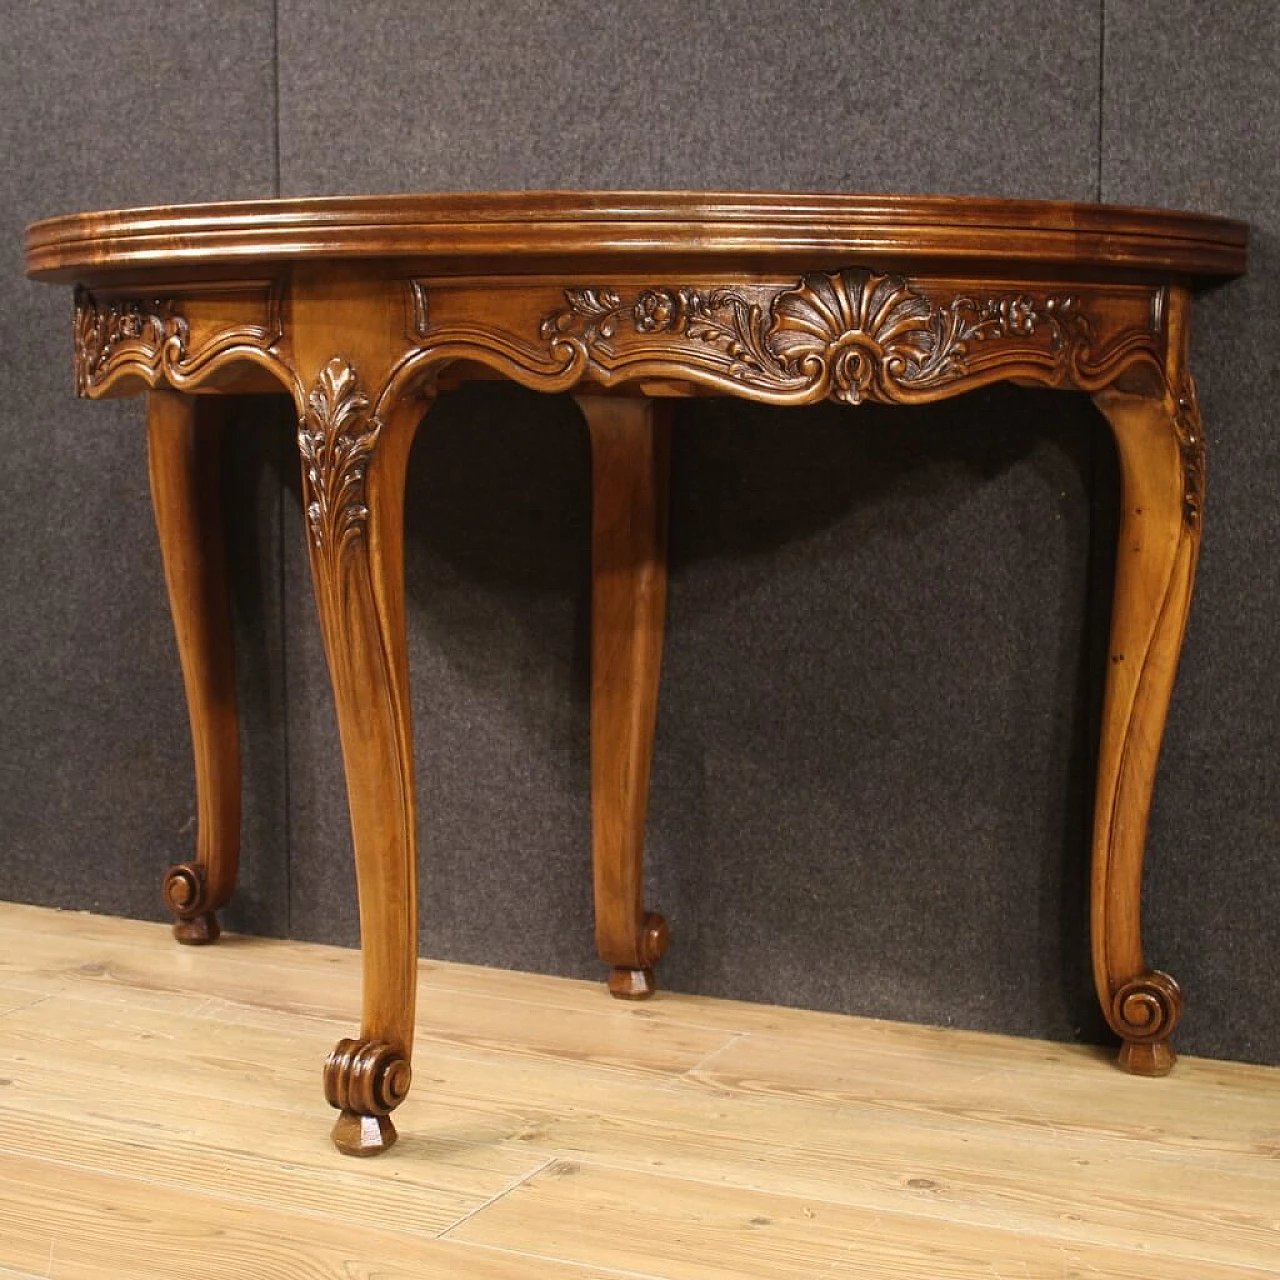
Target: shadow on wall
(834,754)
(259,457)
(904,775)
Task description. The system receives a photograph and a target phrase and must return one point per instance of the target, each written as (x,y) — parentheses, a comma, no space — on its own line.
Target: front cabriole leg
(1161,450)
(353,468)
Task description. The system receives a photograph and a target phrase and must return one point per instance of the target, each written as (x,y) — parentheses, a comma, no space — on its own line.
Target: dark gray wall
(1191,119)
(874,751)
(106,106)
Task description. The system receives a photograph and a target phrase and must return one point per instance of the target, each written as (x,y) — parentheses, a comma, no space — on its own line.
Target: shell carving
(851,325)
(850,335)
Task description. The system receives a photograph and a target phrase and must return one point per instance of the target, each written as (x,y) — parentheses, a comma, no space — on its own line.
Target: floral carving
(853,335)
(139,330)
(336,438)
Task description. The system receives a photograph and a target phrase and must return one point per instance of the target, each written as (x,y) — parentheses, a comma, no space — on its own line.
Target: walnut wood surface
(630,466)
(354,457)
(184,450)
(362,308)
(626,226)
(1161,448)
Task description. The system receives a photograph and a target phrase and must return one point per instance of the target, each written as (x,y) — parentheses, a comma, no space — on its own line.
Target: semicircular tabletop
(364,308)
(639,226)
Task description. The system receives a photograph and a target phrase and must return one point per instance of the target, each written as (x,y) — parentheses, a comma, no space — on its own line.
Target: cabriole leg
(184,447)
(353,469)
(630,452)
(1161,475)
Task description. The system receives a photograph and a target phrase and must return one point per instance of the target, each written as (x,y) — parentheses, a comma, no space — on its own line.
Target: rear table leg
(630,451)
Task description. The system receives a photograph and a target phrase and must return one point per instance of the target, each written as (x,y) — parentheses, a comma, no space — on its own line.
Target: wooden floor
(161,1116)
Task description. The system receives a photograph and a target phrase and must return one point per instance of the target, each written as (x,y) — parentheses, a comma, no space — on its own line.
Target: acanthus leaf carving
(851,335)
(336,438)
(1187,427)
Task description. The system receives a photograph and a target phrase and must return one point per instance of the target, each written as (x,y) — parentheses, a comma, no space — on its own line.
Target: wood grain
(636,226)
(354,456)
(73,1224)
(597,1216)
(845,1073)
(784,1143)
(184,435)
(1160,443)
(358,307)
(46,953)
(630,466)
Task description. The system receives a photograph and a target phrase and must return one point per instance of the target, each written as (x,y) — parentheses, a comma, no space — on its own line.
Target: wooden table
(361,309)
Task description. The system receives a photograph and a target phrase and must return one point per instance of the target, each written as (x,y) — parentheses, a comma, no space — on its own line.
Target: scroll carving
(851,335)
(419,311)
(126,330)
(366,1077)
(186,889)
(362,620)
(186,894)
(159,341)
(1146,1008)
(336,438)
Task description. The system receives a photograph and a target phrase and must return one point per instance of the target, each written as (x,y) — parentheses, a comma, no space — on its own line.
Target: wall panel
(1191,119)
(871,761)
(106,106)
(871,789)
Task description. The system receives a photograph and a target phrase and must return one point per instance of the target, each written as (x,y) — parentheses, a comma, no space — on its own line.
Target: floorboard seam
(715,1053)
(1015,1105)
(520,1181)
(1026,1232)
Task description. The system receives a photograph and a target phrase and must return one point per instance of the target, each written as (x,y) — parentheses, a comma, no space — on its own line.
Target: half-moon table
(361,309)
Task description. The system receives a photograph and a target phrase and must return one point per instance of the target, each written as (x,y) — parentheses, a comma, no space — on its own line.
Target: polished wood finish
(355,454)
(567,1137)
(1161,449)
(362,308)
(184,452)
(631,227)
(630,465)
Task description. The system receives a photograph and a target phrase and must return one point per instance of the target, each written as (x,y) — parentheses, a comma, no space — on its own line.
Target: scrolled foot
(638,983)
(365,1080)
(186,894)
(1144,1012)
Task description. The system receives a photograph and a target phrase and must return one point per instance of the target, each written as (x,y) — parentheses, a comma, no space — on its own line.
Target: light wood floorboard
(160,1113)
